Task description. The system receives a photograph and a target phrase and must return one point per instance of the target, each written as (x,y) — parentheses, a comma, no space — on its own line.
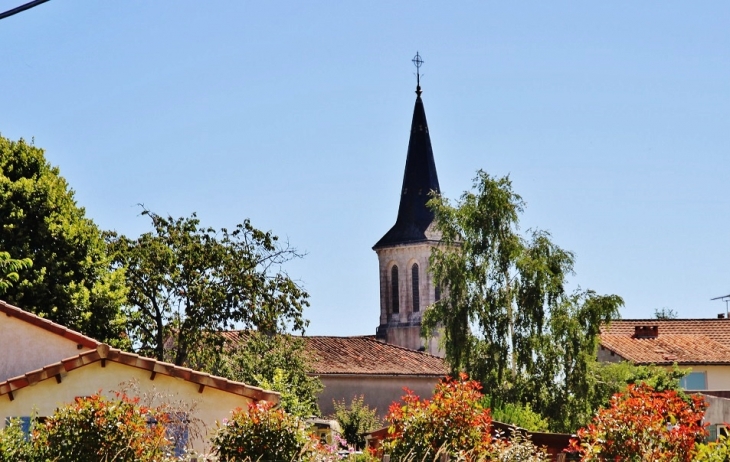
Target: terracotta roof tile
(684,341)
(368,356)
(105,352)
(362,355)
(50,326)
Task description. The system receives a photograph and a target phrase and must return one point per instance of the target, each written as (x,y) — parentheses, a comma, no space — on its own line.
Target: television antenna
(726,299)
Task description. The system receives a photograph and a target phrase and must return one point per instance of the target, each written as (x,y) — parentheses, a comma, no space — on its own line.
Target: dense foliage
(9,268)
(262,433)
(506,318)
(186,280)
(275,362)
(71,281)
(355,420)
(91,429)
(642,424)
(453,422)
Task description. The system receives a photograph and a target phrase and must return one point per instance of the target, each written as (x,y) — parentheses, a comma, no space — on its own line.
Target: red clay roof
(107,353)
(363,355)
(368,356)
(684,341)
(50,326)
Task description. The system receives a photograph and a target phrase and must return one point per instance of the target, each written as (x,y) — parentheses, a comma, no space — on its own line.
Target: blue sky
(611,118)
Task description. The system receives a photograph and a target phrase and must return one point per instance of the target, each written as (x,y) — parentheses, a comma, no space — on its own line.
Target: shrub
(642,424)
(713,452)
(355,420)
(14,445)
(453,421)
(95,428)
(262,433)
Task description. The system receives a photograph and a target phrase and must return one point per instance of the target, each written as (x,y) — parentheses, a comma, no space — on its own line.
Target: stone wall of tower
(403,328)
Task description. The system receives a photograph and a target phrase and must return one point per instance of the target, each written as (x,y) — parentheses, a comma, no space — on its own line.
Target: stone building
(406,286)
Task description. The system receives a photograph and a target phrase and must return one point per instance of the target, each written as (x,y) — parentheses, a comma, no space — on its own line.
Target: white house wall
(26,347)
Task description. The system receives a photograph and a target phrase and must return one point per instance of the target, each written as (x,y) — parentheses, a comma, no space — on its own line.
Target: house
(701,345)
(45,365)
(353,366)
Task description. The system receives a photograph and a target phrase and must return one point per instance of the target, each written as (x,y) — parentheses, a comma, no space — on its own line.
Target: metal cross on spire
(418,62)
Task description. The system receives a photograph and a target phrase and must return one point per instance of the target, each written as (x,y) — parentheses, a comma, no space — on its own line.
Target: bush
(262,433)
(355,420)
(453,421)
(95,428)
(713,452)
(642,424)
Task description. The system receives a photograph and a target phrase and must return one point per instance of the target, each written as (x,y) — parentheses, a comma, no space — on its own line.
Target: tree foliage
(71,281)
(274,362)
(506,317)
(186,281)
(355,420)
(9,268)
(642,424)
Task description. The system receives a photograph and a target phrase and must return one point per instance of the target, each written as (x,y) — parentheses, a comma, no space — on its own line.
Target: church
(397,356)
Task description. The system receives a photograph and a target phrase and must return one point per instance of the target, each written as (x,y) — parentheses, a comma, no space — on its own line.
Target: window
(694,381)
(176,430)
(394,296)
(414,283)
(437,293)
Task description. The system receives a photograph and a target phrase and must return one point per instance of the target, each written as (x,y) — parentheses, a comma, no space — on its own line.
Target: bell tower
(406,286)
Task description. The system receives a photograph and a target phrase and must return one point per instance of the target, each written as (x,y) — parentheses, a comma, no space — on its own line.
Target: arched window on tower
(394,298)
(414,282)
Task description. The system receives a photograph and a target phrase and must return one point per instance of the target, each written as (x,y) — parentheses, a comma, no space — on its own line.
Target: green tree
(355,420)
(665,313)
(506,317)
(186,281)
(9,268)
(275,362)
(71,281)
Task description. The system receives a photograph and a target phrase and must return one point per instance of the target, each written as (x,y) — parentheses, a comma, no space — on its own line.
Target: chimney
(646,331)
(720,315)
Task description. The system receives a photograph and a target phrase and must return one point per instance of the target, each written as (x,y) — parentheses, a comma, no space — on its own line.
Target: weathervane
(418,62)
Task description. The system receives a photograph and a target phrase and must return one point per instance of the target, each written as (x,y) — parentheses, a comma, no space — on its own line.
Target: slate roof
(419,179)
(363,355)
(684,341)
(104,353)
(50,326)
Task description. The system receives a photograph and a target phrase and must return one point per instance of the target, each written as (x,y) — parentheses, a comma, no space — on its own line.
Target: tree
(642,424)
(506,317)
(665,313)
(186,281)
(9,268)
(71,281)
(355,420)
(275,362)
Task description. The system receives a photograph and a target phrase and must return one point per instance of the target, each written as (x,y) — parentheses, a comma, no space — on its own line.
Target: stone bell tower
(406,286)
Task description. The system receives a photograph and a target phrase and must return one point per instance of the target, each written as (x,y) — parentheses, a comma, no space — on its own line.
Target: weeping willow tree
(506,317)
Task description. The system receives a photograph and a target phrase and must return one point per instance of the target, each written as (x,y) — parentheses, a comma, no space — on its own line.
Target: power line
(21,8)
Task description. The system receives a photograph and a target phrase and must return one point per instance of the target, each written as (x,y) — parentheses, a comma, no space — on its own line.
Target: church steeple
(406,285)
(419,179)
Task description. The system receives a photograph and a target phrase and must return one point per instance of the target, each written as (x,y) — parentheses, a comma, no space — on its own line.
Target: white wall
(26,347)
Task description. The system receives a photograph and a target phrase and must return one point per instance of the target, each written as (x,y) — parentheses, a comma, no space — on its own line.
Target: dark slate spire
(419,178)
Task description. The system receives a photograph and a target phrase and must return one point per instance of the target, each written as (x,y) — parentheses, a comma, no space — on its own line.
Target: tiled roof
(104,352)
(684,341)
(668,349)
(368,356)
(363,355)
(50,326)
